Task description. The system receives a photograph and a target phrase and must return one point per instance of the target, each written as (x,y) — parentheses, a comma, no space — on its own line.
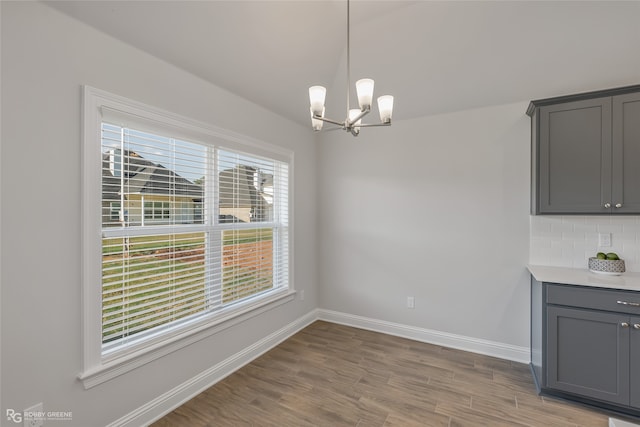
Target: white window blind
(189,229)
(253,217)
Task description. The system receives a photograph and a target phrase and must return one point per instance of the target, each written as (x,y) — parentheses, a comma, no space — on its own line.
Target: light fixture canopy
(364,90)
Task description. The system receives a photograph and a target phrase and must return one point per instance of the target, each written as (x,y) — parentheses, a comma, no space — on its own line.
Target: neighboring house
(246,195)
(151,193)
(155,195)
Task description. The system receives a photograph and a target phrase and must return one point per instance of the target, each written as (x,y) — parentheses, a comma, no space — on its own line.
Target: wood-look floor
(334,375)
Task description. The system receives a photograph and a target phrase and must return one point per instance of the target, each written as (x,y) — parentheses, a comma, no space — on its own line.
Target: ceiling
(434,57)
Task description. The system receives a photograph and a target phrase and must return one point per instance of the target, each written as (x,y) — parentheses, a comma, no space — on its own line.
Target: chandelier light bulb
(315,123)
(316,98)
(364,89)
(385,107)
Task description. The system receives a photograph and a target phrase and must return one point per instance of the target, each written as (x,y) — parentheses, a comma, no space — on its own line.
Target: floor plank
(335,375)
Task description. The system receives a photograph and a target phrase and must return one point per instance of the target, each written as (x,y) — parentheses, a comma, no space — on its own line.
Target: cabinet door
(588,353)
(575,157)
(635,362)
(626,154)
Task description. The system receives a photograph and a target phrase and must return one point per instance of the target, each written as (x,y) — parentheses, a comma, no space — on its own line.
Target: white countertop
(581,276)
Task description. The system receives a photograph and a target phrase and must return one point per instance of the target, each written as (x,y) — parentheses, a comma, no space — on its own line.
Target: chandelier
(364,89)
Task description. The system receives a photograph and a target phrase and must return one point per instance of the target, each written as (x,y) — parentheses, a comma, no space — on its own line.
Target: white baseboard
(461,342)
(175,397)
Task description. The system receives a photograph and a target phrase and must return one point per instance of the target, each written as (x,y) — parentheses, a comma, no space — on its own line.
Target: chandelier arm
(371,125)
(324,119)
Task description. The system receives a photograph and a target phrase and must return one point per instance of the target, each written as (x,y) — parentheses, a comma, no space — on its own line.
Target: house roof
(142,176)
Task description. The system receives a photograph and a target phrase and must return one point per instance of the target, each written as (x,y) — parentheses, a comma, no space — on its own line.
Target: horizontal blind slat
(134,294)
(120,316)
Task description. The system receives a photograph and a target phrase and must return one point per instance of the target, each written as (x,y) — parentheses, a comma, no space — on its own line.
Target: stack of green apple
(611,256)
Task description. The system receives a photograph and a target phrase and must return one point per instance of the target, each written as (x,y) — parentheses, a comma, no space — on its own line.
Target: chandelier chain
(348,59)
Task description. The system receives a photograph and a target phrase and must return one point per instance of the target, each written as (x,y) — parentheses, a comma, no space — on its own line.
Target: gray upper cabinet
(626,153)
(585,152)
(575,157)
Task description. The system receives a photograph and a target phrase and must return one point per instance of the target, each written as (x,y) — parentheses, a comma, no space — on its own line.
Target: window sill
(122,364)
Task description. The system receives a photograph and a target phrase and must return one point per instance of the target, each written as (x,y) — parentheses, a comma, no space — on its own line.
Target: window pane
(247,260)
(150,281)
(151,176)
(245,188)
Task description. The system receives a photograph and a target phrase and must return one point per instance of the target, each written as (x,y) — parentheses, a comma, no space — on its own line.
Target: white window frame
(98,368)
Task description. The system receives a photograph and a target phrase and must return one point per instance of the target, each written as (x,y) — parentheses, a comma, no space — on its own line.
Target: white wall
(436,208)
(46,57)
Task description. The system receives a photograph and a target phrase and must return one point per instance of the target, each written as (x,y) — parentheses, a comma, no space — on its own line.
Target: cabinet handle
(636,326)
(618,205)
(632,304)
(607,205)
(624,324)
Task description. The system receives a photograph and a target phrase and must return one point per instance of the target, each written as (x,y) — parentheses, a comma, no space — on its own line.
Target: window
(196,229)
(156,210)
(114,211)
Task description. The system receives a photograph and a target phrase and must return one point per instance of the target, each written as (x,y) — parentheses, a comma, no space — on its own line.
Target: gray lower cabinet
(634,374)
(585,344)
(588,353)
(585,152)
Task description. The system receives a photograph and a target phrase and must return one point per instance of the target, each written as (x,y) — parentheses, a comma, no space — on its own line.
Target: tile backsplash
(568,241)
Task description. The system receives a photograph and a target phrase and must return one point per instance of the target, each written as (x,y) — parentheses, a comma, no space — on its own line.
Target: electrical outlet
(604,240)
(33,416)
(411,302)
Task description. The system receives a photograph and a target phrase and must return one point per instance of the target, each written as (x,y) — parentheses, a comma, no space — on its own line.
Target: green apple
(612,256)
